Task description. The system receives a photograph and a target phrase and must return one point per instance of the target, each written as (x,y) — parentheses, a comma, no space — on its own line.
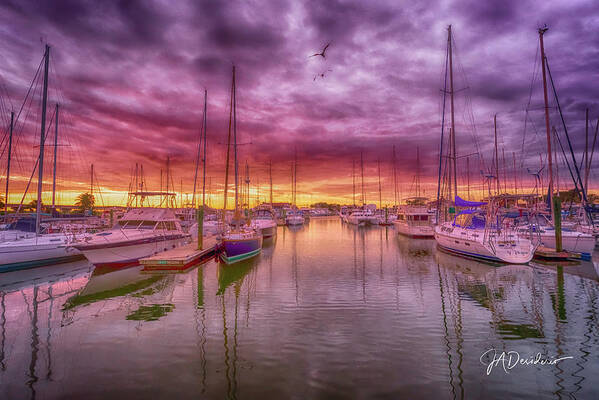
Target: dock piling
(557,212)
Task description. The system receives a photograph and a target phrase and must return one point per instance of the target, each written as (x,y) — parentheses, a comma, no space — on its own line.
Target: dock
(180,258)
(550,254)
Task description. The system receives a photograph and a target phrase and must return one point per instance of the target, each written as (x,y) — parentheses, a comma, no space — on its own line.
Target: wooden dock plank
(180,256)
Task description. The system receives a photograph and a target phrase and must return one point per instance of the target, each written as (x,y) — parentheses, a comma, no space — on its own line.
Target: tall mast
(295,178)
(496,155)
(228,147)
(353,176)
(593,146)
(12,122)
(587,165)
(270,175)
(380,191)
(417,171)
(504,170)
(91,184)
(247,185)
(205,137)
(547,128)
(515,183)
(137,183)
(55,153)
(235,141)
(198,155)
(362,169)
(394,178)
(40,179)
(168,172)
(468,175)
(453,176)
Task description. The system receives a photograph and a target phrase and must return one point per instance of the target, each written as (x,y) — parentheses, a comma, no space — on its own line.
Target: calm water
(326,311)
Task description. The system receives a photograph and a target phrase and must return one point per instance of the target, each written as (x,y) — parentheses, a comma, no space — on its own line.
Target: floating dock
(550,254)
(180,258)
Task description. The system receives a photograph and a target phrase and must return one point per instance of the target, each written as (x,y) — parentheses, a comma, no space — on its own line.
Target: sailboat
(362,216)
(294,216)
(241,241)
(552,235)
(34,249)
(474,232)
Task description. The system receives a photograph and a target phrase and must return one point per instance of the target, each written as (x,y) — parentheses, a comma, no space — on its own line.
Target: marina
(379,315)
(299,200)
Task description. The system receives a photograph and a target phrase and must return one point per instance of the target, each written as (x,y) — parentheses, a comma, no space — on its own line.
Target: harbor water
(326,311)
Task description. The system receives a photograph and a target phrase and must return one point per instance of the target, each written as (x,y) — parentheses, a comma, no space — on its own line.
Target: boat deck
(180,257)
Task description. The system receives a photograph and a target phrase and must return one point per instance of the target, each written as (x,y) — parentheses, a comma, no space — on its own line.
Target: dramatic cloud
(130,77)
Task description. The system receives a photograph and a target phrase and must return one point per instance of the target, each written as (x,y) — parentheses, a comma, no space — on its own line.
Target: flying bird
(322,74)
(322,53)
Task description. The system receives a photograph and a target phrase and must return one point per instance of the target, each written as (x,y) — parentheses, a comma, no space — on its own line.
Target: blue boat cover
(459,202)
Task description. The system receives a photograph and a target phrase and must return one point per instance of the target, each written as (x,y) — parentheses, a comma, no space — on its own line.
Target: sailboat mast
(12,123)
(353,176)
(504,170)
(394,178)
(198,156)
(235,141)
(496,156)
(548,131)
(168,173)
(295,179)
(228,147)
(514,171)
(38,213)
(468,176)
(270,176)
(91,185)
(586,153)
(204,159)
(380,191)
(55,153)
(453,175)
(362,169)
(417,171)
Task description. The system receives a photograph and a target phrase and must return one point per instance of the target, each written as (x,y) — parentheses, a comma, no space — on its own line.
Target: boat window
(416,217)
(147,225)
(130,224)
(424,217)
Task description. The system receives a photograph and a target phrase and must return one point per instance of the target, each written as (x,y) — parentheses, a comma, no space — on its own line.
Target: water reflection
(325,311)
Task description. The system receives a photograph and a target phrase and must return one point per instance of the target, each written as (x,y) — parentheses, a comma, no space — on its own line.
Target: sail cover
(459,202)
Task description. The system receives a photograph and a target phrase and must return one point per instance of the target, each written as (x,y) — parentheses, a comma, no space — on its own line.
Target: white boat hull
(414,231)
(33,252)
(469,243)
(295,220)
(129,253)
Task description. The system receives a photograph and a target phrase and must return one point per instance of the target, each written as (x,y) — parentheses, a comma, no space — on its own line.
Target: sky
(130,78)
